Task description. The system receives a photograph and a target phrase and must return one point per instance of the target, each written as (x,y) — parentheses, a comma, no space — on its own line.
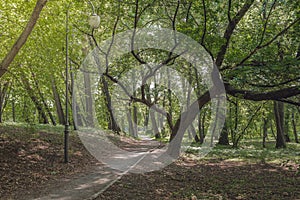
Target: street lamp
(94,22)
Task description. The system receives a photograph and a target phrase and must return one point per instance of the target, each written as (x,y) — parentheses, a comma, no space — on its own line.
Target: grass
(25,128)
(252,151)
(27,132)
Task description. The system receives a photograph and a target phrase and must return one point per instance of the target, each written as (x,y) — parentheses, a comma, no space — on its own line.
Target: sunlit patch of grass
(26,132)
(251,151)
(50,128)
(11,127)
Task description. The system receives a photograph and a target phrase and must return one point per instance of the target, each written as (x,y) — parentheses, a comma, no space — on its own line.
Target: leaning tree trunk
(43,117)
(112,124)
(58,105)
(37,88)
(279,116)
(193,133)
(23,37)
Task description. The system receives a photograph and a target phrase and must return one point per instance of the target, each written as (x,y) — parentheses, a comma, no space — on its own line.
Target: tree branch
(229,31)
(23,37)
(258,47)
(255,96)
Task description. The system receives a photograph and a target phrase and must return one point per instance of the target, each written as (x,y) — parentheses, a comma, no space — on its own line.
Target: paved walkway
(89,186)
(82,187)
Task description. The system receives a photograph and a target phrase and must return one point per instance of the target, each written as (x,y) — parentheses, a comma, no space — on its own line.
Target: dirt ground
(188,179)
(30,164)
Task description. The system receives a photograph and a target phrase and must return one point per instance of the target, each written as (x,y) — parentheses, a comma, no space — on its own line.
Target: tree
(23,37)
(253,44)
(279,120)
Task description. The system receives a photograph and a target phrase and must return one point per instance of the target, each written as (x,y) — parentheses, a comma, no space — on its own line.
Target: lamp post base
(66,144)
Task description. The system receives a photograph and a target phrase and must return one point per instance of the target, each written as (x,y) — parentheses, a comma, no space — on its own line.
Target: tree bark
(88,100)
(260,96)
(130,122)
(112,124)
(265,132)
(294,127)
(42,97)
(230,29)
(23,37)
(43,117)
(58,105)
(201,126)
(279,116)
(3,98)
(154,124)
(182,124)
(13,110)
(193,133)
(224,140)
(286,126)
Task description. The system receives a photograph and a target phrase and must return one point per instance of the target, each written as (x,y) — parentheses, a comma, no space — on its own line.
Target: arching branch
(23,37)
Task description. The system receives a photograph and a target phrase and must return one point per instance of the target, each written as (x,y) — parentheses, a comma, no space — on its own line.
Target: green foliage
(258,58)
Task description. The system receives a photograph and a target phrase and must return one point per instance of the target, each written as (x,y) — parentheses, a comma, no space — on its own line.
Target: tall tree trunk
(25,112)
(201,127)
(152,112)
(88,100)
(193,133)
(132,131)
(154,124)
(184,121)
(135,117)
(187,86)
(13,109)
(265,132)
(279,116)
(37,88)
(146,118)
(286,126)
(58,105)
(235,135)
(224,140)
(3,98)
(135,121)
(35,100)
(169,95)
(294,127)
(112,124)
(272,130)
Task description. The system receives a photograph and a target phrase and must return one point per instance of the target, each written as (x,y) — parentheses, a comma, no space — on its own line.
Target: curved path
(90,185)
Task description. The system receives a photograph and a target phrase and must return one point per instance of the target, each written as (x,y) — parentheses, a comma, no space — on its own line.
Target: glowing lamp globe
(94,21)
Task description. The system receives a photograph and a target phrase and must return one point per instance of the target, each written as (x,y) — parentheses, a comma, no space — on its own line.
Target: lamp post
(94,22)
(66,132)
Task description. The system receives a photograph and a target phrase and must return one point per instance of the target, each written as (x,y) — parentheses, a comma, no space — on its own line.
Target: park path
(90,185)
